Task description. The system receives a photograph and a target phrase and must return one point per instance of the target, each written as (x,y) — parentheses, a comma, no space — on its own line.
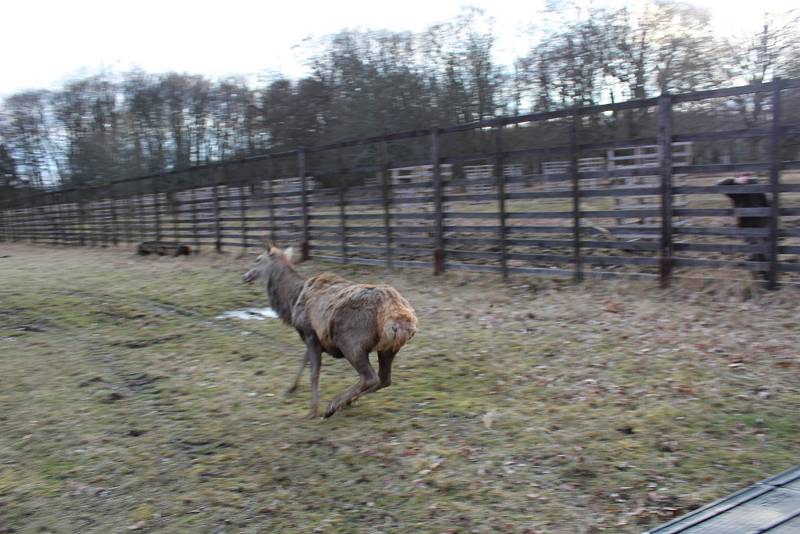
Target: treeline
(113,126)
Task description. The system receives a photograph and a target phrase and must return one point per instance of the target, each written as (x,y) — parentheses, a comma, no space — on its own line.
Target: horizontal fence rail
(479,196)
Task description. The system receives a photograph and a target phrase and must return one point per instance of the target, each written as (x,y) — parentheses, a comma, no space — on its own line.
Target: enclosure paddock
(532,194)
(558,407)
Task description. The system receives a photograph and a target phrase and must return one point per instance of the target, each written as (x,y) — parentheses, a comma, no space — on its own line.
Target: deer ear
(290,254)
(272,249)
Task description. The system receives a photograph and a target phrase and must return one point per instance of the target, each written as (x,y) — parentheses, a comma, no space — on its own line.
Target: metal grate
(772,505)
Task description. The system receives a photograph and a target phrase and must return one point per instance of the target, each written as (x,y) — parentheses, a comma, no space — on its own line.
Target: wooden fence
(556,223)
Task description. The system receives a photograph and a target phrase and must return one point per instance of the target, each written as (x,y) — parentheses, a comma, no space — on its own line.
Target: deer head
(267,259)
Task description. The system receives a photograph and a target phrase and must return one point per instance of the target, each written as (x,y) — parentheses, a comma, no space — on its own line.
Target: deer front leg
(314,355)
(299,373)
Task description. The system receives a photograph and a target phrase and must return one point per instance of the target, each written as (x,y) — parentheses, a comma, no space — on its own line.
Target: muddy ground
(524,406)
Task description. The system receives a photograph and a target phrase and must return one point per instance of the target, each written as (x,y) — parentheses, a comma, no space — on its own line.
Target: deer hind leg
(385,359)
(368,381)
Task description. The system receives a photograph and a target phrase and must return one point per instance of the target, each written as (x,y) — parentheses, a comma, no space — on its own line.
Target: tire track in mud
(128,382)
(103,305)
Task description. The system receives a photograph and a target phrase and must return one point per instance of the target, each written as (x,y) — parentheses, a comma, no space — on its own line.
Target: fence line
(506,222)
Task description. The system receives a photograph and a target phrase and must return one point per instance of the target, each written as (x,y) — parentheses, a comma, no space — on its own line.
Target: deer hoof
(289,392)
(331,410)
(312,415)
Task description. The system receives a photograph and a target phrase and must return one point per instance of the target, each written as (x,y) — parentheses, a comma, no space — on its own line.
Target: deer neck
(283,287)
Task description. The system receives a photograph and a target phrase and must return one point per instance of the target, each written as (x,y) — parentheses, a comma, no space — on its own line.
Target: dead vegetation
(527,406)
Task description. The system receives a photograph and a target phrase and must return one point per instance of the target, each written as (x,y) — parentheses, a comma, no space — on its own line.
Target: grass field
(524,406)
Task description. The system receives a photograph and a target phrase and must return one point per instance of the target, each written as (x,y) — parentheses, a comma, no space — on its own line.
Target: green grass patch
(527,404)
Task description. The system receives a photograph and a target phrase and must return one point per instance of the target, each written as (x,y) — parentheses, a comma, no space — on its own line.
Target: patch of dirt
(148,342)
(601,407)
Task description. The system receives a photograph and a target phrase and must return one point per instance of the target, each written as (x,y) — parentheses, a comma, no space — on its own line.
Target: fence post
(340,168)
(438,188)
(79,192)
(31,216)
(91,216)
(19,218)
(49,217)
(33,231)
(98,221)
(156,207)
(112,198)
(195,230)
(9,221)
(386,199)
(256,190)
(270,197)
(63,217)
(5,232)
(52,213)
(24,216)
(127,204)
(174,203)
(43,218)
(94,236)
(3,222)
(343,222)
(88,218)
(45,212)
(243,187)
(576,198)
(215,198)
(104,218)
(22,219)
(665,155)
(44,222)
(140,188)
(775,183)
(57,217)
(305,246)
(501,197)
(12,220)
(34,217)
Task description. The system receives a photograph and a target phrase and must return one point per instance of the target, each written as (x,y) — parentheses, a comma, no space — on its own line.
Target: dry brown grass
(532,405)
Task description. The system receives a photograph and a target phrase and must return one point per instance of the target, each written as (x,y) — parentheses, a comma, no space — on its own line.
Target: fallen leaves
(483,422)
(488,419)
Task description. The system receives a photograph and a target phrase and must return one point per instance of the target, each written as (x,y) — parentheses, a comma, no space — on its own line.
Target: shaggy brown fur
(344,319)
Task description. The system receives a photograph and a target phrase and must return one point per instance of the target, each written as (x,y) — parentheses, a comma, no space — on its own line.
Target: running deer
(339,317)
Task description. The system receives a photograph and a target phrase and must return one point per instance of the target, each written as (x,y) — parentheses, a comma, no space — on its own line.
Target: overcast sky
(44,43)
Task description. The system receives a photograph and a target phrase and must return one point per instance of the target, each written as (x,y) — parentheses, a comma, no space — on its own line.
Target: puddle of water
(258,314)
